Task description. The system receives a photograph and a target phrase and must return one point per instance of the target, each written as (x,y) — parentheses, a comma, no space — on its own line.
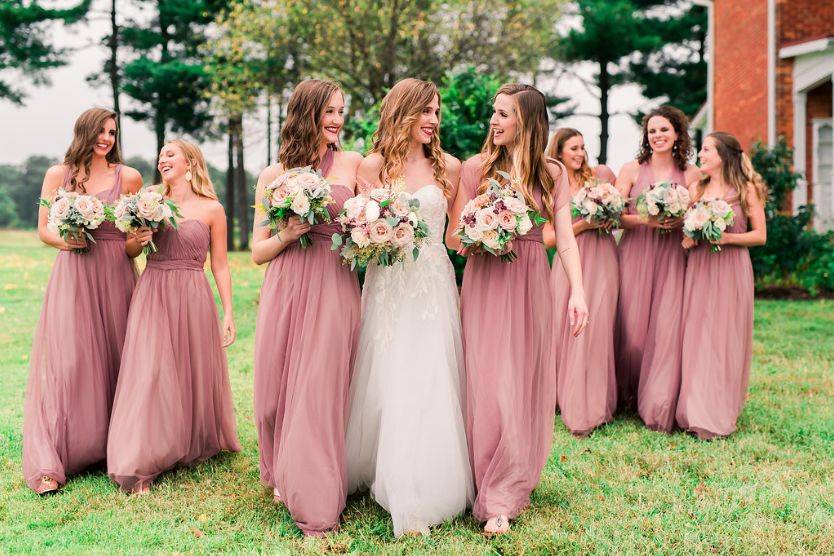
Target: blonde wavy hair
(557,143)
(302,133)
(85,134)
(525,160)
(401,110)
(200,180)
(736,170)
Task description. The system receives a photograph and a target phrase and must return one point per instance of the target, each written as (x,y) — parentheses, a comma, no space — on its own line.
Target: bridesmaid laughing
(73,370)
(308,324)
(718,295)
(507,313)
(586,383)
(652,266)
(173,402)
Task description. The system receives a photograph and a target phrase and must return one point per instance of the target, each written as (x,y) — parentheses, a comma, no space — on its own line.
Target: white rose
(360,237)
(473,233)
(486,219)
(524,224)
(372,210)
(353,207)
(300,204)
(59,209)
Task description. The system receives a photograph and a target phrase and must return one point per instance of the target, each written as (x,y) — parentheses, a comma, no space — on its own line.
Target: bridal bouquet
(706,220)
(493,219)
(73,214)
(383,226)
(146,208)
(663,200)
(598,202)
(301,192)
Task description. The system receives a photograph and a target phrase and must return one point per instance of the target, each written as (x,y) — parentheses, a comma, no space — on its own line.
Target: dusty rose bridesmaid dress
(648,333)
(586,382)
(717,334)
(76,353)
(509,351)
(307,328)
(173,402)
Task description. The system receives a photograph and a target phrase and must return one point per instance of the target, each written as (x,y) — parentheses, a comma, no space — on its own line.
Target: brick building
(771,67)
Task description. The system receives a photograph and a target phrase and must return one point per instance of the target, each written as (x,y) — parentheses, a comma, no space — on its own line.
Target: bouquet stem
(305,241)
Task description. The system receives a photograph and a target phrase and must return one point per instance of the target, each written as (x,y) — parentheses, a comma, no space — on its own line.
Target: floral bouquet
(73,214)
(663,200)
(598,202)
(147,208)
(493,219)
(301,192)
(382,226)
(706,220)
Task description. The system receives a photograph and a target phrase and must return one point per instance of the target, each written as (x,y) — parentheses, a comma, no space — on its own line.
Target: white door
(823,164)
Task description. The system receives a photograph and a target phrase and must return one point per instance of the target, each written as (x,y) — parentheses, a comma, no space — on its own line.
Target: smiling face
(709,158)
(106,138)
(661,134)
(504,121)
(172,163)
(573,153)
(427,122)
(333,118)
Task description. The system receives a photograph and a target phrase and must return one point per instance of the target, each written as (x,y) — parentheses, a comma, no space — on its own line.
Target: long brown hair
(736,169)
(401,109)
(302,135)
(85,134)
(525,159)
(200,179)
(682,149)
(557,144)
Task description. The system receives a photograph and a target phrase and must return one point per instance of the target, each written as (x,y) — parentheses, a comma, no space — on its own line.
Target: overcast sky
(44,124)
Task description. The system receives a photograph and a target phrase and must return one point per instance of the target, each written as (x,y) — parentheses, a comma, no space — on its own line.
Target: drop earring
(188,176)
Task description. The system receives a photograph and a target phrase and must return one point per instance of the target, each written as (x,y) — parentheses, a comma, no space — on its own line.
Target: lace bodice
(387,288)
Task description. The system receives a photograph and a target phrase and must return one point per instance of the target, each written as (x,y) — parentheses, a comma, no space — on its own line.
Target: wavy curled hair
(557,144)
(200,180)
(682,149)
(80,152)
(736,169)
(524,160)
(401,110)
(302,133)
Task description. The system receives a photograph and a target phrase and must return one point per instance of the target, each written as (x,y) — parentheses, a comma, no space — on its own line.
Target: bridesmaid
(507,313)
(652,263)
(718,295)
(308,324)
(585,382)
(72,376)
(173,403)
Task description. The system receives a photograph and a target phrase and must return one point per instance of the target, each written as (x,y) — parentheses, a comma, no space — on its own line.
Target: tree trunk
(230,188)
(159,130)
(113,70)
(604,89)
(242,188)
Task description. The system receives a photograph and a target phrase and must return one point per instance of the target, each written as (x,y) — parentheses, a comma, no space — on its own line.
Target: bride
(405,436)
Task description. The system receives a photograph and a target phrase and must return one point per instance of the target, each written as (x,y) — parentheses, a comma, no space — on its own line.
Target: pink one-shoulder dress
(717,334)
(76,354)
(509,352)
(307,329)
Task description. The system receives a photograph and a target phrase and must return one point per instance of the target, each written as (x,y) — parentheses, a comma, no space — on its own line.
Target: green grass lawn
(767,489)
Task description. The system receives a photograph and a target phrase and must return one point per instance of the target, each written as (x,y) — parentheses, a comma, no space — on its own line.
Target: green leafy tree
(25,43)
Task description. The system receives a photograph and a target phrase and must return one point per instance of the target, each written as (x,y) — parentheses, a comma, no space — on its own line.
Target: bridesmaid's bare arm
(758,227)
(220,269)
(52,181)
(625,181)
(606,174)
(688,242)
(468,170)
(453,167)
(266,245)
(136,240)
(367,175)
(569,254)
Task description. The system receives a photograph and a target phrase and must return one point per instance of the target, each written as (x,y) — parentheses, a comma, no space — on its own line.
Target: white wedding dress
(405,435)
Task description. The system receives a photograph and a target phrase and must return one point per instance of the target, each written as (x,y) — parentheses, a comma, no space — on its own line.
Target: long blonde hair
(736,169)
(557,143)
(525,161)
(200,179)
(401,109)
(302,133)
(85,134)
